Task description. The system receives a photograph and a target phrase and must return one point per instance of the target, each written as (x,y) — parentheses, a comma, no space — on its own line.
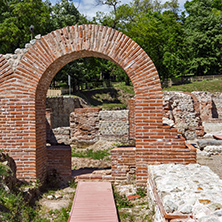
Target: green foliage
(207,86)
(204,37)
(15,21)
(13,208)
(89,153)
(121,201)
(160,34)
(177,45)
(189,43)
(3,171)
(64,13)
(141,191)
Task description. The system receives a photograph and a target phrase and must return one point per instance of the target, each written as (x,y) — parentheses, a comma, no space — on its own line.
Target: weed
(121,201)
(72,184)
(117,144)
(141,191)
(127,216)
(13,208)
(143,203)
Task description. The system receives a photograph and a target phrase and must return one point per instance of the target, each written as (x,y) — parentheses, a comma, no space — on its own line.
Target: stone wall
(210,105)
(84,125)
(191,113)
(61,108)
(194,113)
(114,125)
(88,125)
(183,110)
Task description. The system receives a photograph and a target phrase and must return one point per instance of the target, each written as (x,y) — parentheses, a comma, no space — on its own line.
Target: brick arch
(24,83)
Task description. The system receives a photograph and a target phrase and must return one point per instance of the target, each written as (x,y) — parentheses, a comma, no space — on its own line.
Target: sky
(89,7)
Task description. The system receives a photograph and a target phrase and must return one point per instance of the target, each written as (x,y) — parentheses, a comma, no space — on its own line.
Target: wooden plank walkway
(93,201)
(218,137)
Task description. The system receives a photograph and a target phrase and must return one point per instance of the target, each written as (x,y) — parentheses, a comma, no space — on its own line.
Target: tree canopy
(179,43)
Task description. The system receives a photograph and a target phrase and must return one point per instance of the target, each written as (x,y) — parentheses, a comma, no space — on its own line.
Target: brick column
(131,106)
(59,161)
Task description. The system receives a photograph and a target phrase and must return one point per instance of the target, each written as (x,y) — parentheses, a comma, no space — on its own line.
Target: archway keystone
(26,76)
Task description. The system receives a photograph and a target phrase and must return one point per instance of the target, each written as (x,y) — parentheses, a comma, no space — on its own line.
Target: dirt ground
(140,211)
(214,162)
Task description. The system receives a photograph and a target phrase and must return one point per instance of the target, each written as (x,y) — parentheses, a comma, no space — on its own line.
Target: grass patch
(114,106)
(114,97)
(125,88)
(206,86)
(89,153)
(121,200)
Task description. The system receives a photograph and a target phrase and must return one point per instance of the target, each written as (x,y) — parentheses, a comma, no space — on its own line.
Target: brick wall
(25,78)
(123,164)
(131,107)
(59,163)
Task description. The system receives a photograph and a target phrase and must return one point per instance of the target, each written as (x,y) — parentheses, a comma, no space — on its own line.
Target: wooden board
(93,202)
(218,137)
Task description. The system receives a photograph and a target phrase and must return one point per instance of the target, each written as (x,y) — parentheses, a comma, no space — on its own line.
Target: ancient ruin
(26,75)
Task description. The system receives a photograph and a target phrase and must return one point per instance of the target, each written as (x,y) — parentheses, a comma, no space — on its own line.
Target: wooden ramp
(218,137)
(93,201)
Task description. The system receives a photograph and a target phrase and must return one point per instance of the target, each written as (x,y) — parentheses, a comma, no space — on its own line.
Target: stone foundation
(185,193)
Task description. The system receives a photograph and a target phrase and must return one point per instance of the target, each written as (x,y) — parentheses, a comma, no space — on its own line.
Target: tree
(159,32)
(63,14)
(15,20)
(204,37)
(110,20)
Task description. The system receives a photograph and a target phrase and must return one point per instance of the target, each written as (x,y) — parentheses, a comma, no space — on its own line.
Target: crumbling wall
(188,112)
(84,125)
(183,109)
(61,108)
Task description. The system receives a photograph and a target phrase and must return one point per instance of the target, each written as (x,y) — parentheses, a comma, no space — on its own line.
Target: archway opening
(87,109)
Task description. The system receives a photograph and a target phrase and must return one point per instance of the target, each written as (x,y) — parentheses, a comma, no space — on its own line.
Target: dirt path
(214,162)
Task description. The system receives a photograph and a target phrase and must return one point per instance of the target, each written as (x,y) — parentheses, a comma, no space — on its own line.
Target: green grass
(89,153)
(122,86)
(114,97)
(113,106)
(207,86)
